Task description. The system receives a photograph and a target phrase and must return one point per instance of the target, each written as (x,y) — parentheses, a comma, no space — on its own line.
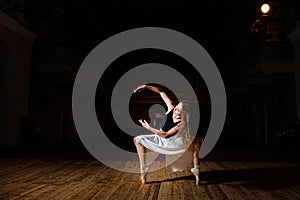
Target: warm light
(265,8)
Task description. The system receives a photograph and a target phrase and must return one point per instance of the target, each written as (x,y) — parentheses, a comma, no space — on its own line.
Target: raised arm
(163,95)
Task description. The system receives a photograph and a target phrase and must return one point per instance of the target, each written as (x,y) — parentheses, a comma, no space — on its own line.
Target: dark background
(261,102)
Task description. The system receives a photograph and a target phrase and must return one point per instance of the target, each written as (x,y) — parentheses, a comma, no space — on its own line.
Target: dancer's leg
(196,160)
(196,150)
(196,169)
(196,157)
(141,152)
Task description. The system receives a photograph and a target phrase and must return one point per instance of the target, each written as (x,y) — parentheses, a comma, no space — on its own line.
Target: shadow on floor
(262,178)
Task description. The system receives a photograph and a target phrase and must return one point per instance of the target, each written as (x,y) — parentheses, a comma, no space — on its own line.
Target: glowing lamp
(265,8)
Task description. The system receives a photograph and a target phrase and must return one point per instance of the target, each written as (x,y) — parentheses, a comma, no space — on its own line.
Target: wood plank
(89,179)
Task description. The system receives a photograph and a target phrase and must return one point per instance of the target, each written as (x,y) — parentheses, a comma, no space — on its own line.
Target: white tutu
(177,157)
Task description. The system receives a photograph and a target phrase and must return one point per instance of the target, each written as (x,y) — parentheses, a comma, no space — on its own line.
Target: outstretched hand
(140,88)
(144,124)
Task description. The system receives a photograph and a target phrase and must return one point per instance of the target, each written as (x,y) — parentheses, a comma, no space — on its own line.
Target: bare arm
(163,95)
(163,134)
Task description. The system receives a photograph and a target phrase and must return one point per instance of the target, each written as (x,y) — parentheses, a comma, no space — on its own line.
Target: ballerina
(172,139)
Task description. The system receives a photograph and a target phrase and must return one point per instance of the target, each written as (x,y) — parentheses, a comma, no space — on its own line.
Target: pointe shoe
(196,172)
(144,171)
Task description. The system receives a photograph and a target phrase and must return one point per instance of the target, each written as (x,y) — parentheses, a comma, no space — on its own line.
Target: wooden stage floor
(38,178)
